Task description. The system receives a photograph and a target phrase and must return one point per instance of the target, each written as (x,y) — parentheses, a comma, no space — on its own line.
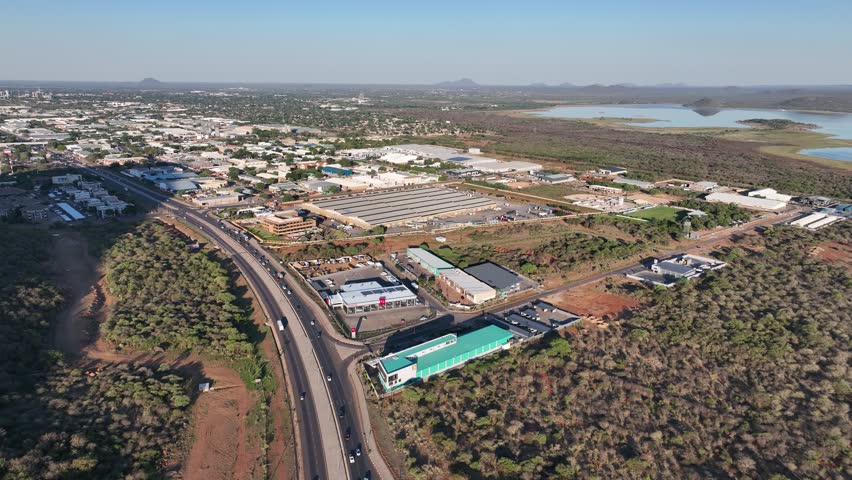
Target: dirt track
(592,300)
(219,447)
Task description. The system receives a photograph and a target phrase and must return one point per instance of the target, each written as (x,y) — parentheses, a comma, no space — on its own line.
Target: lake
(843,154)
(838,125)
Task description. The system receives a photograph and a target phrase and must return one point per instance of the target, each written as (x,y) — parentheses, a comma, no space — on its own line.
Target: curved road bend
(324,453)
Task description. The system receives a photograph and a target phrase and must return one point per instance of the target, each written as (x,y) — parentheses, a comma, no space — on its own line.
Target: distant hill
(150,82)
(705,102)
(461,83)
(538,85)
(567,84)
(829,103)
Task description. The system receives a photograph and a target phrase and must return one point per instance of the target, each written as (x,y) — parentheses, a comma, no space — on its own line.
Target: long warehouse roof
(405,205)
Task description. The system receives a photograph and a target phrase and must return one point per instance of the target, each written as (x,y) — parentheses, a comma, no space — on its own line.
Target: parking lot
(378,319)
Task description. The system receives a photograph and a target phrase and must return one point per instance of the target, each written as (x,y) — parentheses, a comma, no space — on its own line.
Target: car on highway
(319,333)
(289,292)
(351,458)
(328,377)
(358,452)
(341,411)
(348,434)
(302,396)
(312,322)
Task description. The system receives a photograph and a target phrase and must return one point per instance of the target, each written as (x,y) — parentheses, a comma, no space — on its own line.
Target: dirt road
(219,439)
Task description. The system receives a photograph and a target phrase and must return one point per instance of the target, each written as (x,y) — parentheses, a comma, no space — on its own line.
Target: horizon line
(439,84)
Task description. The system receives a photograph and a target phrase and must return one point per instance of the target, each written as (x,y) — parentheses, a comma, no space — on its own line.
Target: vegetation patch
(65,420)
(170,297)
(743,374)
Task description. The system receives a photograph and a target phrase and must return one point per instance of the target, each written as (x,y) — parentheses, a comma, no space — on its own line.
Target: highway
(328,430)
(324,418)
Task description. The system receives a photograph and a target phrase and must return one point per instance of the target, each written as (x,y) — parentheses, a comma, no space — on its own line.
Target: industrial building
(336,169)
(637,183)
(755,203)
(420,362)
(34,213)
(428,260)
(287,222)
(814,221)
(495,276)
(770,194)
(399,207)
(668,272)
(473,290)
(66,179)
(177,186)
(554,178)
(612,171)
(369,296)
(217,200)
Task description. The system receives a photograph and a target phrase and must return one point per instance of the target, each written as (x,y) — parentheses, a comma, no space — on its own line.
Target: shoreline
(563,105)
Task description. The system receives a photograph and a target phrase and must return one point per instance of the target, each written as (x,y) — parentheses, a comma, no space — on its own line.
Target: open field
(594,300)
(657,213)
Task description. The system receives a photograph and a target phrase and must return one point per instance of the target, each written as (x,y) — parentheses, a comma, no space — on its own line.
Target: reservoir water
(843,154)
(838,125)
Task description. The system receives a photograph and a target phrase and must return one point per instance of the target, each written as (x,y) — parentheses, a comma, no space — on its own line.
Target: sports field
(656,213)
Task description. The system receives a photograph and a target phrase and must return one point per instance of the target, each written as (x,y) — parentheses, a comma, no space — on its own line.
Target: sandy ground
(592,300)
(835,253)
(219,446)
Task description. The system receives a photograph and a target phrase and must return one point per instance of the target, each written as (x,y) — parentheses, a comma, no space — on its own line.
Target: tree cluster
(170,297)
(743,374)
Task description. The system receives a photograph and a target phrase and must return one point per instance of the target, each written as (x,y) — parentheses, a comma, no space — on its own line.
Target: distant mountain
(150,82)
(538,85)
(705,102)
(461,83)
(671,85)
(567,84)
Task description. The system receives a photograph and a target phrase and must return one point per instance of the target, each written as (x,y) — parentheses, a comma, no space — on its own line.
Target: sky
(646,42)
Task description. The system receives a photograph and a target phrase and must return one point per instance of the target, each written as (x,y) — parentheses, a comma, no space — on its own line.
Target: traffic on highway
(329,436)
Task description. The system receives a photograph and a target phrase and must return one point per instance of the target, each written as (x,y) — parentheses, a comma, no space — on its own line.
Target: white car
(351,458)
(328,377)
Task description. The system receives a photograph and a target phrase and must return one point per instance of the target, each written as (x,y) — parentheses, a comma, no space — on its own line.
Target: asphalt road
(321,429)
(309,355)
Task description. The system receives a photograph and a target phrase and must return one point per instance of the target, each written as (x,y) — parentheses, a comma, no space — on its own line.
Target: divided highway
(327,427)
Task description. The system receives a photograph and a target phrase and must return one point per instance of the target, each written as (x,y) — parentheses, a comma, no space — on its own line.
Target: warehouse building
(469,287)
(428,260)
(370,296)
(770,194)
(754,203)
(500,278)
(287,222)
(420,362)
(217,200)
(399,207)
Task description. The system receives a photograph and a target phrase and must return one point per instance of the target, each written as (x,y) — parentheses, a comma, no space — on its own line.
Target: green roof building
(421,361)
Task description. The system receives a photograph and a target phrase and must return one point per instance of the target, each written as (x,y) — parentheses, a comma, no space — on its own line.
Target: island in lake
(777,124)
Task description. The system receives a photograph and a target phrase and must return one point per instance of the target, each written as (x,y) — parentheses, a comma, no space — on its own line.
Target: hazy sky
(717,42)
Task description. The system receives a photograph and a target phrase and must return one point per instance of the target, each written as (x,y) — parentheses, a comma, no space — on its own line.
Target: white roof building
(770,194)
(473,290)
(755,203)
